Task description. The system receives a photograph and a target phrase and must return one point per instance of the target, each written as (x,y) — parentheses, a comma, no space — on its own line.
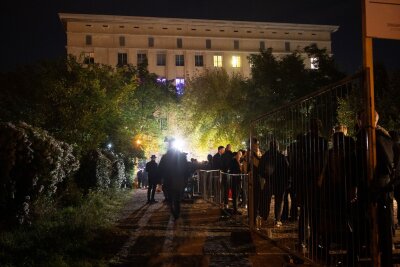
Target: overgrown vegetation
(74,235)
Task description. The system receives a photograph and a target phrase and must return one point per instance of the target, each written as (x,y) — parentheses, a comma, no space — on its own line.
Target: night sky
(31,30)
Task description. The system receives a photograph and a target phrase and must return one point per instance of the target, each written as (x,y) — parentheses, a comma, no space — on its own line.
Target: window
(141,58)
(217,61)
(236,44)
(198,60)
(236,62)
(122,41)
(88,40)
(179,60)
(262,45)
(161,59)
(122,59)
(208,43)
(180,85)
(151,42)
(179,42)
(88,58)
(287,46)
(314,63)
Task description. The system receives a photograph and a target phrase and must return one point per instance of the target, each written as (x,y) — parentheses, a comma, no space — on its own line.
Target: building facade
(178,49)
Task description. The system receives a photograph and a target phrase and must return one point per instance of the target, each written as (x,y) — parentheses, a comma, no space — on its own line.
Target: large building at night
(177,49)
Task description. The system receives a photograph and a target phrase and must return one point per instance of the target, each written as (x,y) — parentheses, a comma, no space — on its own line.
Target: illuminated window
(179,60)
(122,59)
(161,59)
(236,44)
(122,40)
(179,42)
(141,58)
(180,85)
(88,58)
(314,63)
(88,40)
(151,42)
(198,60)
(208,44)
(236,62)
(217,61)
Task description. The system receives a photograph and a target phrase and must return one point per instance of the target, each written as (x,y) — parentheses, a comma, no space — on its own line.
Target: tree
(213,106)
(87,105)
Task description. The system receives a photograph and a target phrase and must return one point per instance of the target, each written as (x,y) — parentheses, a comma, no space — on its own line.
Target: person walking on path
(174,171)
(152,170)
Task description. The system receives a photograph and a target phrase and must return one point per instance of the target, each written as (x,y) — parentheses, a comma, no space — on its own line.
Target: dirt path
(201,237)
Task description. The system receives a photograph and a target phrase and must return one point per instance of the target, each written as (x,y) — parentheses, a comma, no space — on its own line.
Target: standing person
(236,171)
(213,180)
(382,189)
(209,162)
(396,150)
(227,158)
(152,170)
(254,160)
(313,148)
(139,176)
(274,168)
(174,171)
(217,159)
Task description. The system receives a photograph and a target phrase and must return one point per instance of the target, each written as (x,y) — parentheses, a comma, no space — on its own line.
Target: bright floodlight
(178,144)
(109,145)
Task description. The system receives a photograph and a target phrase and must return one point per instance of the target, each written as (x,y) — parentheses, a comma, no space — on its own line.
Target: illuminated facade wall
(180,48)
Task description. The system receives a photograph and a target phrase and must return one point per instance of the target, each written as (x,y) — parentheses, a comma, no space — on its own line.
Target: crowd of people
(326,183)
(324,180)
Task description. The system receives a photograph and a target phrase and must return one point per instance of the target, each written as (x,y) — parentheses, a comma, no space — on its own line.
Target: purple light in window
(180,85)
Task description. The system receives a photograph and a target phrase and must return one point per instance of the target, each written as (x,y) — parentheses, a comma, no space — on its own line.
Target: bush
(32,164)
(95,171)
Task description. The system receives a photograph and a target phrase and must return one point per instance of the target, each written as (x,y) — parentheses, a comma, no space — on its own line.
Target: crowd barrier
(309,190)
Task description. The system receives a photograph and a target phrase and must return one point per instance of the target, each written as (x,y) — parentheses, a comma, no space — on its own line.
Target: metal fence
(308,184)
(229,191)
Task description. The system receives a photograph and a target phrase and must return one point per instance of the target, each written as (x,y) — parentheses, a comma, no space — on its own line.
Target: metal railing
(229,191)
(308,184)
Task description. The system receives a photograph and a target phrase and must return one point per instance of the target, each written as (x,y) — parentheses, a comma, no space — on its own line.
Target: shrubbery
(32,164)
(101,170)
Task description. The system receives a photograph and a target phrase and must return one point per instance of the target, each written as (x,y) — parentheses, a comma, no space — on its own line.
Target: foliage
(213,109)
(387,97)
(68,236)
(218,107)
(32,163)
(87,105)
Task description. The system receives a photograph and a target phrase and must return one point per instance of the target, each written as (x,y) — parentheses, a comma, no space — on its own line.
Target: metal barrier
(229,191)
(308,189)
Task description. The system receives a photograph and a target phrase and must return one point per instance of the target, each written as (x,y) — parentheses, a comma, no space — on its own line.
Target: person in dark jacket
(217,159)
(274,168)
(174,171)
(383,190)
(152,170)
(226,165)
(235,170)
(396,150)
(313,148)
